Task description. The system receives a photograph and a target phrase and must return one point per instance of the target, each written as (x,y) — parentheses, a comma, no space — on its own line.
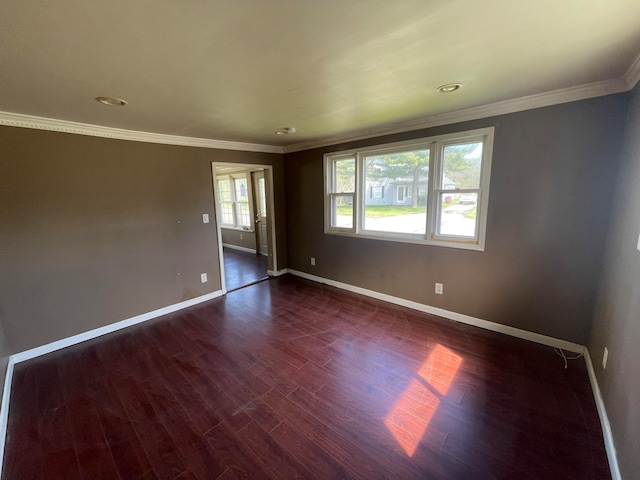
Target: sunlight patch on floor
(409,418)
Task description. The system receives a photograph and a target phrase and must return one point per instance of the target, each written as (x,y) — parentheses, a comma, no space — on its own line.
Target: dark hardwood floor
(243,268)
(292,379)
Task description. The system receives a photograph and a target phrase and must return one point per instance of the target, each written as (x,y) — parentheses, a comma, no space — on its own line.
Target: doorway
(245,223)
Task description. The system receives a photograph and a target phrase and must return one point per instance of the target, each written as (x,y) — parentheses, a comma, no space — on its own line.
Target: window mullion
(358,200)
(432,194)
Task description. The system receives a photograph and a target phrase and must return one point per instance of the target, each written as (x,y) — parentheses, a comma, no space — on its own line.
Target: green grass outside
(383,210)
(472,213)
(395,210)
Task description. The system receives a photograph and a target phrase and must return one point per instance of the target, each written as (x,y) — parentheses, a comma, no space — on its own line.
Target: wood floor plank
(308,453)
(233,453)
(276,458)
(292,379)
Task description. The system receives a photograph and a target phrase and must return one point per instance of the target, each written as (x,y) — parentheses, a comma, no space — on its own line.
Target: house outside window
(431,191)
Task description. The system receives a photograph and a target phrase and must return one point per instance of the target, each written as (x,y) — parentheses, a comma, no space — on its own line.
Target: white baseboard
(604,419)
(237,247)
(535,337)
(496,327)
(81,337)
(458,317)
(97,332)
(277,273)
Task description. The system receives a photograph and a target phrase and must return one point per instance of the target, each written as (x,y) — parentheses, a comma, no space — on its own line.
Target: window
(342,190)
(234,201)
(226,202)
(262,205)
(243,216)
(377,192)
(430,191)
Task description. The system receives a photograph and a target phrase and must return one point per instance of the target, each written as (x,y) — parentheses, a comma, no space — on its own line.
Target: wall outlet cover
(605,356)
(205,218)
(313,261)
(439,288)
(203,277)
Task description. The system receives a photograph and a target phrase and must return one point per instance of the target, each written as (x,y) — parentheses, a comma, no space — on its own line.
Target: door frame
(271,218)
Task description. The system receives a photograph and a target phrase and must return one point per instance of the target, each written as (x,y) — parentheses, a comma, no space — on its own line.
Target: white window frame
(230,201)
(436,146)
(234,202)
(332,193)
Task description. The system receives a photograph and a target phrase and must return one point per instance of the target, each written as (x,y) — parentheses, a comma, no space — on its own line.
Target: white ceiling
(237,70)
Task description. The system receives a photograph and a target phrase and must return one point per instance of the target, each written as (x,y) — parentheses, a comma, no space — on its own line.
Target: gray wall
(552,183)
(232,237)
(96,230)
(616,321)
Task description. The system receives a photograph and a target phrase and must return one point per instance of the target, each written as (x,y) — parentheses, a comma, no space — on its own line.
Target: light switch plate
(205,218)
(203,277)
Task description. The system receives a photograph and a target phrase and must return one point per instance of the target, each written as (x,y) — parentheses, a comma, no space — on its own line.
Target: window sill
(462,244)
(237,229)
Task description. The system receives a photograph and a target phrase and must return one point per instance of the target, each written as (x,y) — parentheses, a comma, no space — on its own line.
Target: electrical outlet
(240,236)
(313,261)
(203,277)
(205,218)
(439,288)
(605,357)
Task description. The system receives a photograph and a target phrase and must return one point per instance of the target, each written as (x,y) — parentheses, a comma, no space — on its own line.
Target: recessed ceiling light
(449,87)
(286,131)
(113,102)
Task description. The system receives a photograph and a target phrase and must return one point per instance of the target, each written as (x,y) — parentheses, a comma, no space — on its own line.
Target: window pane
(342,211)
(226,209)
(396,177)
(458,214)
(345,175)
(241,189)
(263,197)
(224,190)
(244,219)
(462,166)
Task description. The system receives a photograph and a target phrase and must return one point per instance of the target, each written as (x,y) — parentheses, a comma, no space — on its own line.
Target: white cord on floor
(560,352)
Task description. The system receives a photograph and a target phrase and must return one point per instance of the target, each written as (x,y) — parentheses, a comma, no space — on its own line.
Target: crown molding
(565,95)
(64,126)
(555,97)
(633,74)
